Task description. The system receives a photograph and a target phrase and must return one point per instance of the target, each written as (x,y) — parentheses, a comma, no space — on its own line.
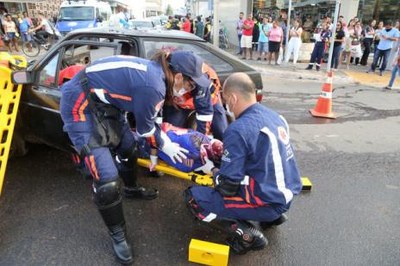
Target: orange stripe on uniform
(82,116)
(257,199)
(119,96)
(93,167)
(233,198)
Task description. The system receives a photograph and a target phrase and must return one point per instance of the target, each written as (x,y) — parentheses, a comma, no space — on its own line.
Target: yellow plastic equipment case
(9,101)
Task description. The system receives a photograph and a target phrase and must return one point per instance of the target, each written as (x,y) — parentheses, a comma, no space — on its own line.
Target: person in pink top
(247,36)
(275,37)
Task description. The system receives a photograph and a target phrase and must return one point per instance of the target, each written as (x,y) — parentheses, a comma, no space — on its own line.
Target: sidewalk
(355,74)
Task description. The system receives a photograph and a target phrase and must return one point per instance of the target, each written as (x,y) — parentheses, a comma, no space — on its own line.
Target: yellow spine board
(203,180)
(9,100)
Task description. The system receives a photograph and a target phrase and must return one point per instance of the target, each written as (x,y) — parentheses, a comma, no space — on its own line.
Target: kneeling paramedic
(93,107)
(258,176)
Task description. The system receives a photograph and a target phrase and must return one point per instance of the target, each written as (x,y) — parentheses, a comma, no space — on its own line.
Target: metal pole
(216,24)
(332,40)
(288,29)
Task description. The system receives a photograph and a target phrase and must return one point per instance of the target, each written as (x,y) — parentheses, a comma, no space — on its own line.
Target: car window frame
(60,49)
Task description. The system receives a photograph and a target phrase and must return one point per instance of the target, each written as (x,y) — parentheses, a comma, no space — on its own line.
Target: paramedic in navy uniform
(93,107)
(258,176)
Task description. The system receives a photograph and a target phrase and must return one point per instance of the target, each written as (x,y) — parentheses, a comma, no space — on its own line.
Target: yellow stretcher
(203,180)
(9,101)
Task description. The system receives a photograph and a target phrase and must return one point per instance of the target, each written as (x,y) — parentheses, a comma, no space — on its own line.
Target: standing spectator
(284,26)
(388,36)
(355,31)
(24,25)
(256,36)
(337,45)
(199,27)
(263,40)
(377,38)
(10,29)
(25,16)
(321,37)
(369,34)
(239,28)
(393,52)
(308,28)
(345,56)
(186,25)
(294,42)
(275,39)
(247,36)
(207,30)
(395,69)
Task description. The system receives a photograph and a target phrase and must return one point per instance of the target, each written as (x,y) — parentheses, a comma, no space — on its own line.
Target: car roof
(160,33)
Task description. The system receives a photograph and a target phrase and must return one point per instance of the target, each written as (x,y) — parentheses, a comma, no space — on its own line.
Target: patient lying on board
(199,146)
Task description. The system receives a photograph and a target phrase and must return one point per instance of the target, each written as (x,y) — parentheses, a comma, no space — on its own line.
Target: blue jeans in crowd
(240,45)
(395,70)
(385,55)
(335,56)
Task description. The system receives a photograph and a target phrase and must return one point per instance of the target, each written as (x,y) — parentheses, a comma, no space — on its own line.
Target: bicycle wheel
(31,49)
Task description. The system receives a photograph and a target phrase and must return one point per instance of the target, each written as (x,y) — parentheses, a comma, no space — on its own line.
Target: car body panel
(39,108)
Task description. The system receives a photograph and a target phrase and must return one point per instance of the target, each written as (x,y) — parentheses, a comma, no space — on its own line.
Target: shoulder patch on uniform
(283,135)
(225,156)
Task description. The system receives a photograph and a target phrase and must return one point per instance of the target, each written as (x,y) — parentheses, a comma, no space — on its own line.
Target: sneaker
(309,67)
(259,59)
(381,73)
(250,239)
(318,68)
(279,221)
(140,192)
(388,88)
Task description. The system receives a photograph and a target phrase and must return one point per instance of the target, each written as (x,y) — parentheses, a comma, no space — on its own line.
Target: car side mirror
(99,19)
(21,77)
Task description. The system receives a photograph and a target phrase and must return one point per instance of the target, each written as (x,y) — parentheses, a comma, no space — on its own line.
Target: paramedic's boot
(132,190)
(108,199)
(243,236)
(283,218)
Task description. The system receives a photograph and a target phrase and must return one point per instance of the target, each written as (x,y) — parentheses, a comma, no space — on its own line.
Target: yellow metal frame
(203,180)
(10,95)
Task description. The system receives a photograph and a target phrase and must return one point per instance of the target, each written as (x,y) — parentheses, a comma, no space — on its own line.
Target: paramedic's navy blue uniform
(128,83)
(257,153)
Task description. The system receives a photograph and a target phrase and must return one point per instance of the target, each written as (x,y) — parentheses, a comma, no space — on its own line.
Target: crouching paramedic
(204,98)
(258,176)
(93,106)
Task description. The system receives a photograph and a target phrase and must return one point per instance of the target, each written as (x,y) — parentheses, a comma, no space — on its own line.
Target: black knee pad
(107,194)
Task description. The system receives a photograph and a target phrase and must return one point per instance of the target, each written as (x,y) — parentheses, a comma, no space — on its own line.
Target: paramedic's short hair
(241,83)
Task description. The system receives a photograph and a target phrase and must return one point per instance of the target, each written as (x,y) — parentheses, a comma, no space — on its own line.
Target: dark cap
(190,65)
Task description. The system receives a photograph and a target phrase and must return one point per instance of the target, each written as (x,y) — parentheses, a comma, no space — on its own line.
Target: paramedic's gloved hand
(153,162)
(207,167)
(174,151)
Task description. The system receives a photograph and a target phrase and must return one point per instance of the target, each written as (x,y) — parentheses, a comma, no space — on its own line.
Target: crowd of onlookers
(19,27)
(196,26)
(353,42)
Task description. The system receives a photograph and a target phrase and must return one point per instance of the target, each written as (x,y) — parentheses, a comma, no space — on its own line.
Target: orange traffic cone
(323,108)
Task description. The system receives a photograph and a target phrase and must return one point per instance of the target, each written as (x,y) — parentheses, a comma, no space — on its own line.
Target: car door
(40,104)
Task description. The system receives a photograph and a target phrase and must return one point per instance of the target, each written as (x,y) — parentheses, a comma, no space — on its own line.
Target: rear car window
(220,65)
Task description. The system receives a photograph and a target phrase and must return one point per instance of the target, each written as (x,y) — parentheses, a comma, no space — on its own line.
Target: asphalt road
(351,217)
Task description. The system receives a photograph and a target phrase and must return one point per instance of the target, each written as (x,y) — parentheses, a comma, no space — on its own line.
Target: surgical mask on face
(228,110)
(179,93)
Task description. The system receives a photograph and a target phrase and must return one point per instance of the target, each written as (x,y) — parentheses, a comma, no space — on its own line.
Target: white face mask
(179,93)
(228,110)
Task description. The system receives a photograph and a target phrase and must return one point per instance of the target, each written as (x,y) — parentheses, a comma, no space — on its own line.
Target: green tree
(169,11)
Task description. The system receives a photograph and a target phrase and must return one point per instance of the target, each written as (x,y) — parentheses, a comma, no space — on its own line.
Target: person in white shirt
(43,30)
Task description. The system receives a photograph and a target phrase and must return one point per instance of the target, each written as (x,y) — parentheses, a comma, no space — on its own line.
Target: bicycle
(32,48)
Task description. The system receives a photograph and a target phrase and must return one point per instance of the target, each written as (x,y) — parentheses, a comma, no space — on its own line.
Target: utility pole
(288,28)
(216,23)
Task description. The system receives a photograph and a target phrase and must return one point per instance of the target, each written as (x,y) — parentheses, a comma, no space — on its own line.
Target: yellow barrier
(9,101)
(203,180)
(208,253)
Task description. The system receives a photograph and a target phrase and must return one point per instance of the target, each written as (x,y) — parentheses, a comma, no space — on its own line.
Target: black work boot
(140,192)
(318,67)
(245,238)
(309,67)
(283,218)
(109,202)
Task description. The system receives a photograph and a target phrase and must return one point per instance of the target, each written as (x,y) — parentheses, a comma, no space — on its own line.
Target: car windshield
(140,24)
(75,13)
